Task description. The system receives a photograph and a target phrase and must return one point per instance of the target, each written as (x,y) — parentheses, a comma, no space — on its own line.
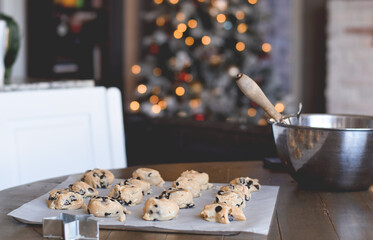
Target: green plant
(13,44)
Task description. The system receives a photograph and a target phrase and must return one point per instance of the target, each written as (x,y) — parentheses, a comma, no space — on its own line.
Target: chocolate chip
(66,202)
(73,198)
(117,212)
(216,200)
(82,179)
(129,202)
(150,212)
(230,217)
(88,211)
(102,177)
(256,186)
(107,214)
(177,183)
(249,183)
(95,175)
(242,181)
(220,192)
(138,178)
(155,205)
(149,174)
(218,209)
(90,190)
(82,192)
(70,186)
(189,205)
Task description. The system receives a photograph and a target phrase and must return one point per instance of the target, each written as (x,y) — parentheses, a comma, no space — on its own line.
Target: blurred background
(175,62)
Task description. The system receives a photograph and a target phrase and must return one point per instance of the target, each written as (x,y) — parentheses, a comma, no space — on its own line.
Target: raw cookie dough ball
(98,178)
(83,189)
(251,183)
(201,178)
(160,209)
(190,184)
(230,198)
(64,200)
(183,197)
(107,207)
(145,186)
(127,194)
(222,213)
(148,175)
(238,188)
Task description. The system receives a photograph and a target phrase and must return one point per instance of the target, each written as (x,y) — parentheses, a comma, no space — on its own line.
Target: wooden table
(300,214)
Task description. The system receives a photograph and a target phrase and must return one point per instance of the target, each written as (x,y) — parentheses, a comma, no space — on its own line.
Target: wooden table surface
(299,214)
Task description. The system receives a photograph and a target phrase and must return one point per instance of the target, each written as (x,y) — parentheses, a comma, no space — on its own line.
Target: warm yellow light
(266,47)
(136,69)
(178,34)
(160,21)
(240,15)
(153,99)
(134,106)
(221,18)
(192,23)
(162,104)
(156,109)
(251,112)
(262,122)
(242,27)
(180,16)
(157,72)
(189,41)
(158,1)
(156,90)
(206,40)
(182,27)
(173,1)
(280,107)
(195,103)
(240,46)
(252,1)
(141,89)
(180,91)
(201,0)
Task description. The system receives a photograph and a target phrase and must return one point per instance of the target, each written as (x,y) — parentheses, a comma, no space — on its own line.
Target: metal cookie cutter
(68,226)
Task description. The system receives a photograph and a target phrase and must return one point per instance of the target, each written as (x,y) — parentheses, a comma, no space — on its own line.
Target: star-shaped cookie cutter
(68,226)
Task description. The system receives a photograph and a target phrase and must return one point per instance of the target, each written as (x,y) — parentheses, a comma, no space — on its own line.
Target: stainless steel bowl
(327,152)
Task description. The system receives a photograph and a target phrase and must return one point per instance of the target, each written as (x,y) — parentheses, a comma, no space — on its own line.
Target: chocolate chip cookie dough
(160,209)
(64,200)
(107,207)
(222,213)
(98,178)
(149,175)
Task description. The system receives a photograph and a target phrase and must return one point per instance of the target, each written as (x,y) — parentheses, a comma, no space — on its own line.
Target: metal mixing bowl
(327,152)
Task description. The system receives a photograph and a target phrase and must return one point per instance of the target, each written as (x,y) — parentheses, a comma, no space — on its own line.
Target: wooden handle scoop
(254,93)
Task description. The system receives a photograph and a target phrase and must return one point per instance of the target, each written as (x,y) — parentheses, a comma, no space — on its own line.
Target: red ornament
(254,104)
(154,49)
(183,76)
(199,117)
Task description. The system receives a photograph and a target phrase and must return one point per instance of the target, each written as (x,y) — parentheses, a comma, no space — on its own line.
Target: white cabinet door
(49,133)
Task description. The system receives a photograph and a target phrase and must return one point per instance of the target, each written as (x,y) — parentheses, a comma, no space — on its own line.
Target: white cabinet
(50,133)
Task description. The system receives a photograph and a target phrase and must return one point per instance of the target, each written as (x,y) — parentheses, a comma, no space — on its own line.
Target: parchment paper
(258,212)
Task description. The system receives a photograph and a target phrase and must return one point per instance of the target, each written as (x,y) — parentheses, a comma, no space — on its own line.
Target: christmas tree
(192,52)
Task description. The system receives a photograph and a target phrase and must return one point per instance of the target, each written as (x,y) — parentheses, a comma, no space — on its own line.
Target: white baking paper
(258,212)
